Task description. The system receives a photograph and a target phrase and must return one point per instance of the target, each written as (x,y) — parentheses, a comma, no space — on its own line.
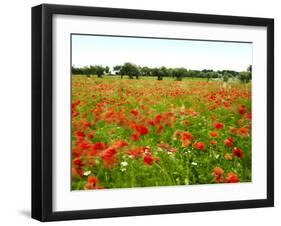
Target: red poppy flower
(150,122)
(229,142)
(214,134)
(232,178)
(243,132)
(91,135)
(186,136)
(242,110)
(218,125)
(85,123)
(80,134)
(186,122)
(199,145)
(186,143)
(76,172)
(158,119)
(249,116)
(177,134)
(84,145)
(78,162)
(160,129)
(213,142)
(135,137)
(141,129)
(233,130)
(218,174)
(137,152)
(228,156)
(99,146)
(238,152)
(134,112)
(109,156)
(149,159)
(92,183)
(120,144)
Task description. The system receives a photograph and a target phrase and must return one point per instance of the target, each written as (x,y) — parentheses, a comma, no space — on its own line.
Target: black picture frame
(42,84)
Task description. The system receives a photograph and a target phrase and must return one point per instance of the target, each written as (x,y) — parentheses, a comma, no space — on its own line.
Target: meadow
(144,132)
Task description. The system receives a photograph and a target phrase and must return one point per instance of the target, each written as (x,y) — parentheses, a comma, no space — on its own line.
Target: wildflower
(228,156)
(149,159)
(214,134)
(80,134)
(186,143)
(84,145)
(177,134)
(135,137)
(249,116)
(199,145)
(233,130)
(76,172)
(243,132)
(229,142)
(160,129)
(120,144)
(99,146)
(134,112)
(242,110)
(232,178)
(87,173)
(158,119)
(218,125)
(78,162)
(186,122)
(141,129)
(109,156)
(186,136)
(124,163)
(238,152)
(136,152)
(92,183)
(218,174)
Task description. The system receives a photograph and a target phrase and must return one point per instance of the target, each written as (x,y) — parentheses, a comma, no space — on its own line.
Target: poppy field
(143,132)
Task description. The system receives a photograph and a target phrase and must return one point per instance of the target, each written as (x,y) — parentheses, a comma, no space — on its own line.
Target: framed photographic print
(145,112)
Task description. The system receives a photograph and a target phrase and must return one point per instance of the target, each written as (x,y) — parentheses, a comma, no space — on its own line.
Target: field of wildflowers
(143,132)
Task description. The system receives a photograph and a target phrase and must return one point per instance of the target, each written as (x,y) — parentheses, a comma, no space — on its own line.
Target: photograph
(152,111)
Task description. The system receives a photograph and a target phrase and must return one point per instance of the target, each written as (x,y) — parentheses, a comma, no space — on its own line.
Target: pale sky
(197,55)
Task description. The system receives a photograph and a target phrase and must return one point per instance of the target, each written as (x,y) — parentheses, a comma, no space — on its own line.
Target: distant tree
(210,75)
(76,71)
(179,73)
(145,71)
(99,71)
(107,70)
(133,70)
(137,72)
(249,68)
(230,73)
(155,72)
(225,77)
(91,70)
(245,76)
(87,71)
(164,71)
(117,70)
(130,69)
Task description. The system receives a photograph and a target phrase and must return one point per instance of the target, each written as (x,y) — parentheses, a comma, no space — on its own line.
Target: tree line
(134,71)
